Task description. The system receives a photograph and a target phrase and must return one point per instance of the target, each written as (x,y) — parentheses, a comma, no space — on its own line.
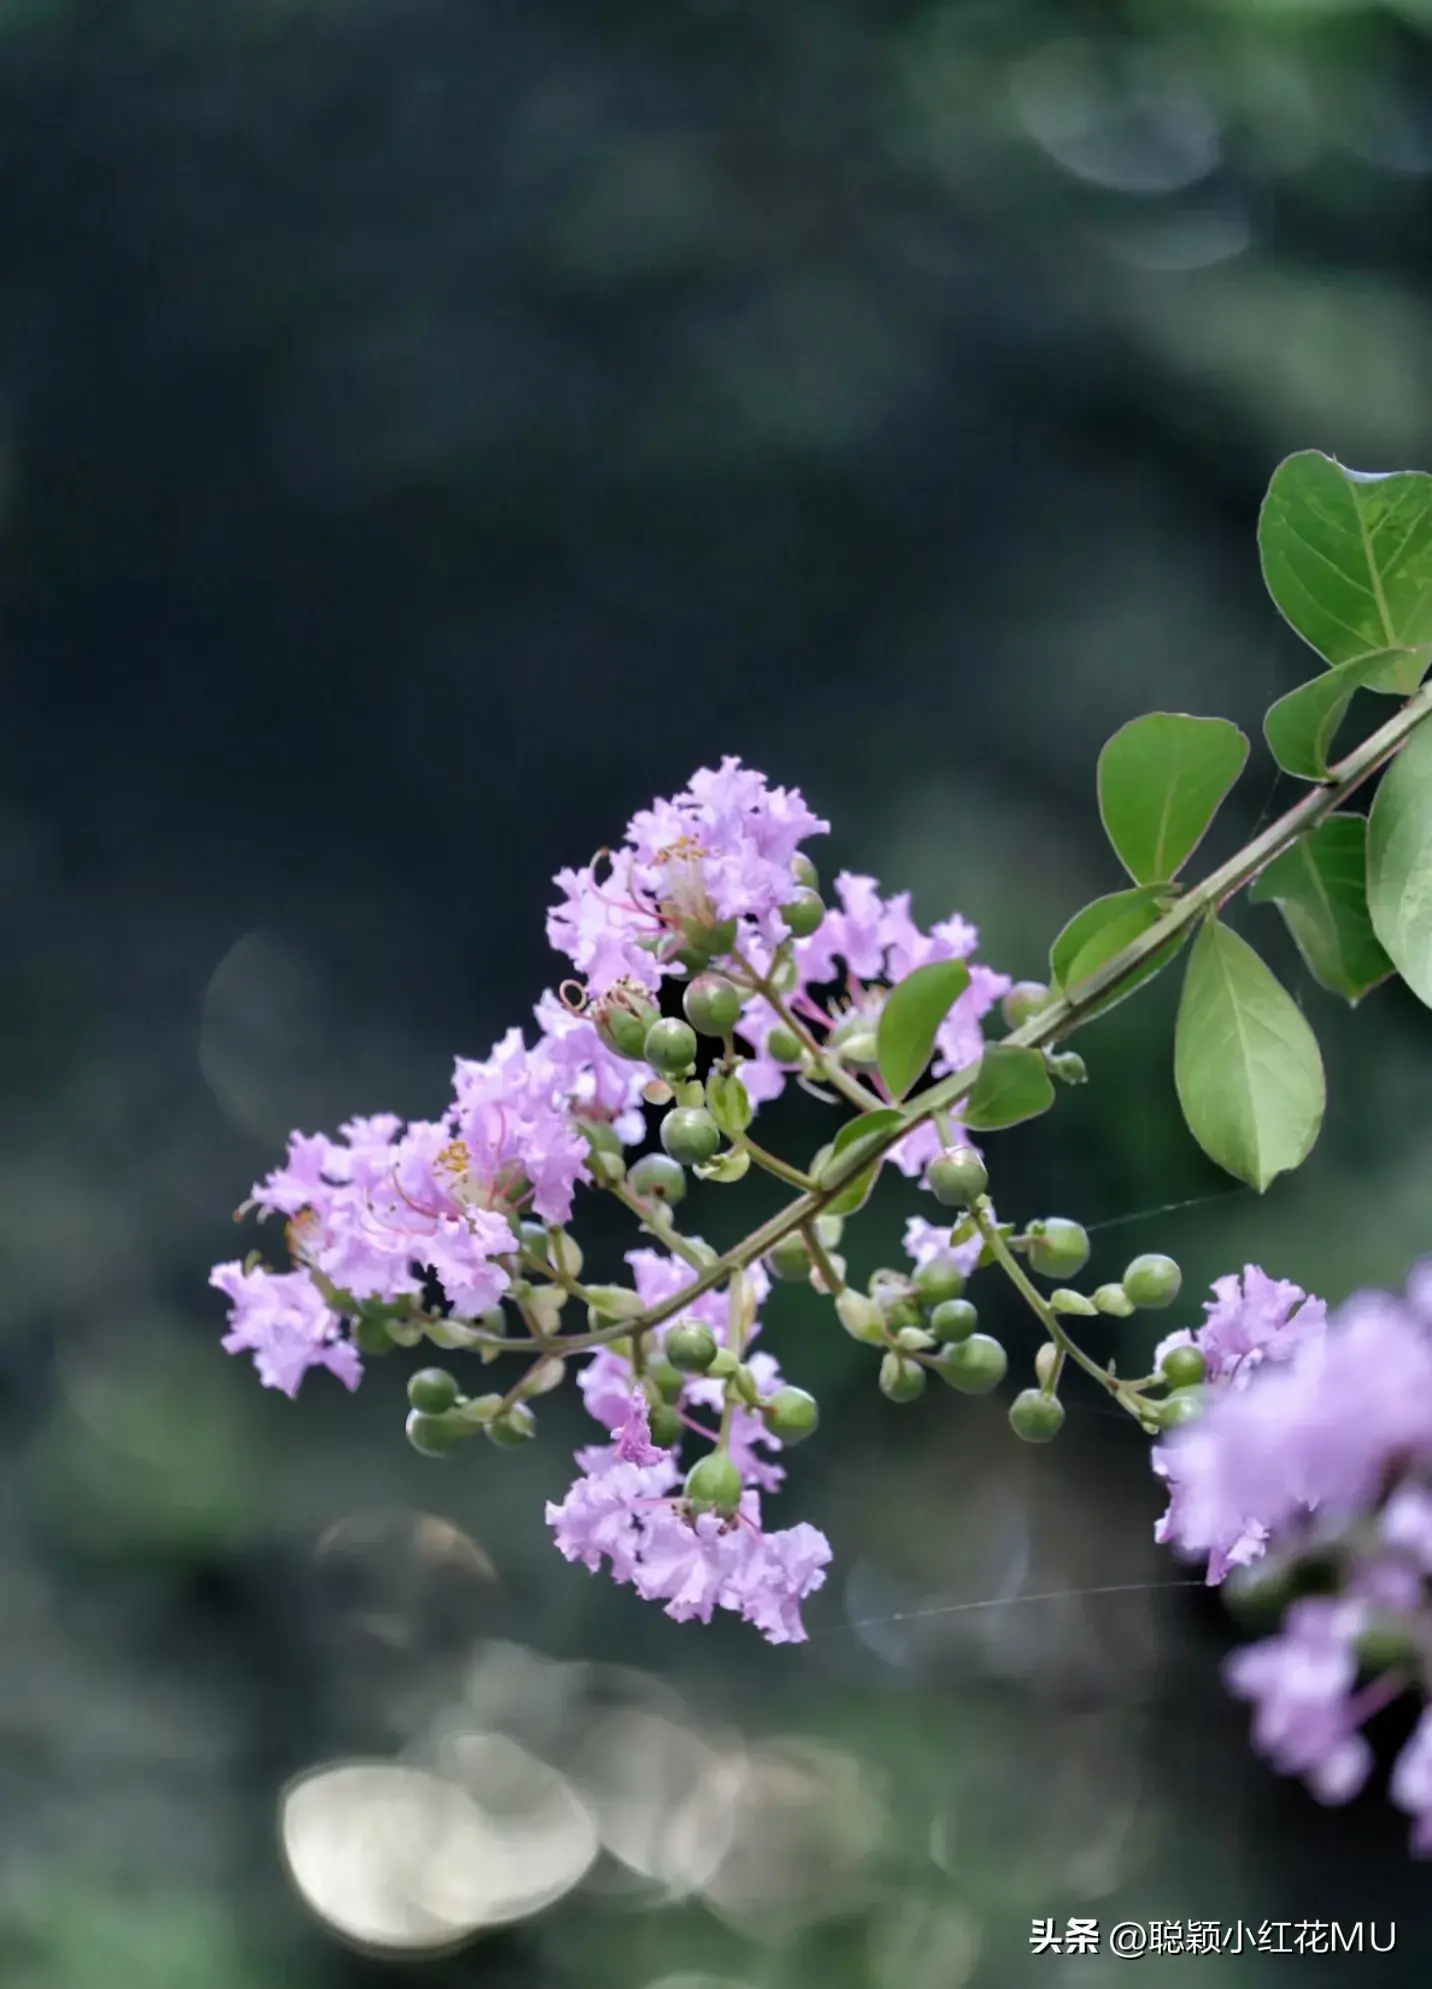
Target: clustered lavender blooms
(1311,1464)
(1286,1437)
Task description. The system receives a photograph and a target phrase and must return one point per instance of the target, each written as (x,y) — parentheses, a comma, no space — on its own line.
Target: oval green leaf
(870,1129)
(1347,557)
(1013,1084)
(1300,728)
(913,1012)
(1161,780)
(1246,1064)
(1104,928)
(1399,863)
(1320,887)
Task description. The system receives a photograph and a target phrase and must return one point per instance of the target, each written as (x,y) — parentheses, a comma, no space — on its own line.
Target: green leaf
(1246,1064)
(1399,863)
(1320,887)
(1104,928)
(913,1012)
(730,1105)
(1161,779)
(1347,558)
(1013,1084)
(868,1130)
(1301,727)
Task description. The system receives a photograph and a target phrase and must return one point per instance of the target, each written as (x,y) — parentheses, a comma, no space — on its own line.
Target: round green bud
(665,1425)
(938,1280)
(690,1135)
(783,1044)
(804,913)
(901,1380)
(789,1259)
(714,1485)
(1183,1406)
(436,1436)
(370,1334)
(622,1024)
(712,1005)
(861,1317)
(656,1177)
(952,1320)
(1023,1002)
(666,1377)
(691,1347)
(513,1427)
(1113,1300)
(1183,1367)
(432,1390)
(974,1366)
(957,1178)
(670,1046)
(805,872)
(1036,1417)
(1153,1282)
(1058,1248)
(791,1415)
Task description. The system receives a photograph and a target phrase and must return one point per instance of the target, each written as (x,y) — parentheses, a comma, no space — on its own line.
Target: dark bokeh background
(428,431)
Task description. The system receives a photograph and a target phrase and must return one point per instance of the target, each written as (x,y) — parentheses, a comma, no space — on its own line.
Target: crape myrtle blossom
(381,1209)
(623,1511)
(1317,1441)
(720,850)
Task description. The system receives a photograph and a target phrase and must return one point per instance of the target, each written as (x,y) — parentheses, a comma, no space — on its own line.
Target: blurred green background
(427,432)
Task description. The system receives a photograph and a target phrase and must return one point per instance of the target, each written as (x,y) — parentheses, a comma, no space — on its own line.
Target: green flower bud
(714,1485)
(901,1380)
(712,1005)
(533,1238)
(690,1347)
(432,1390)
(691,1094)
(622,1020)
(1183,1367)
(665,1425)
(1115,1301)
(670,1046)
(1153,1282)
(1023,1002)
(601,1136)
(691,1137)
(861,1050)
(1045,1362)
(861,1317)
(482,1409)
(1183,1406)
(1036,1417)
(803,915)
(914,1340)
(897,1307)
(665,1377)
(791,1415)
(724,1365)
(1058,1248)
(513,1427)
(745,1385)
(783,1044)
(371,1335)
(974,1366)
(789,1260)
(954,1319)
(656,1177)
(805,872)
(958,1178)
(436,1436)
(938,1280)
(1069,1301)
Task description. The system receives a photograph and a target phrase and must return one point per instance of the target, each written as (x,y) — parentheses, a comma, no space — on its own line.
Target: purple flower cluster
(375,1213)
(625,1509)
(1316,1441)
(721,850)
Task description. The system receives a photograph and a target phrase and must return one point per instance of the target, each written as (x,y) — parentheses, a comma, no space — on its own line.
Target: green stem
(656,1217)
(792,1176)
(834,1283)
(1038,1304)
(828,1067)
